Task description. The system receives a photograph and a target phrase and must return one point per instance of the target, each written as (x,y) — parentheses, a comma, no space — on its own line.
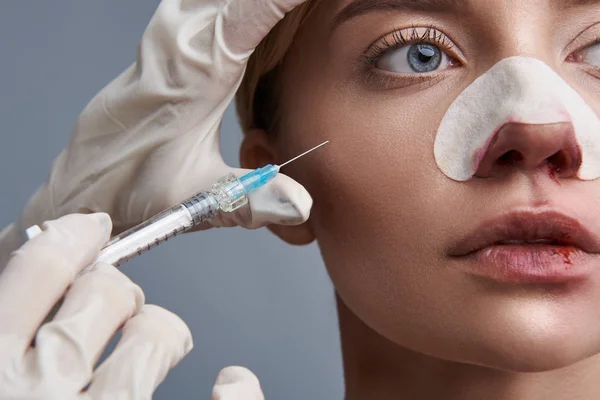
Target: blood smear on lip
(565,252)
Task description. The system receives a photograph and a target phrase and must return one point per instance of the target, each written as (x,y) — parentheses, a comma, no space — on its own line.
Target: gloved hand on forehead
(150,139)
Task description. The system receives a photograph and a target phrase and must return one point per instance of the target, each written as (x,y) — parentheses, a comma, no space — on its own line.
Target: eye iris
(424,57)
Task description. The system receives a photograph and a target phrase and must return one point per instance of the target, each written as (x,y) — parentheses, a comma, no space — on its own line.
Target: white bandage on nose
(516,89)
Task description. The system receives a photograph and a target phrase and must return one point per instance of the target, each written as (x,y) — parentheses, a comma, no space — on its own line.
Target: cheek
(379,163)
(373,177)
(376,190)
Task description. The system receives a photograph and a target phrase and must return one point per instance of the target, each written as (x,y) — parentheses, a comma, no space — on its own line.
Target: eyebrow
(359,7)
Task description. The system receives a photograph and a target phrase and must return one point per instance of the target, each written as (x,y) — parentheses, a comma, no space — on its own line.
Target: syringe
(227,194)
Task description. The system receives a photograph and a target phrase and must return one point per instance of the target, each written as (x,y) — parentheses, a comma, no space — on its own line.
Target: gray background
(267,306)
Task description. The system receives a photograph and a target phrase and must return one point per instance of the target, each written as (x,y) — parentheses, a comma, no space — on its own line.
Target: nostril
(529,147)
(558,160)
(510,157)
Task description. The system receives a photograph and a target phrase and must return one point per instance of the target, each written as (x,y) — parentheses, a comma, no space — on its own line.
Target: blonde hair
(258,96)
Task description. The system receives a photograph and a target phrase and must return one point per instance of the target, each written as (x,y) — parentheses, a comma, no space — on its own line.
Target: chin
(534,346)
(533,336)
(533,360)
(514,356)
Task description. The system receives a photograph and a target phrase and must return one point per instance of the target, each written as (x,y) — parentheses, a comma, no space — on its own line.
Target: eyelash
(396,40)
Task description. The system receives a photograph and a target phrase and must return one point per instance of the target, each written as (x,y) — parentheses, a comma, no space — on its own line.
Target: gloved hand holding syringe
(147,141)
(228,194)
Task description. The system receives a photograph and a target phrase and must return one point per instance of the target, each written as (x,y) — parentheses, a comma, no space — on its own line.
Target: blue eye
(424,57)
(415,58)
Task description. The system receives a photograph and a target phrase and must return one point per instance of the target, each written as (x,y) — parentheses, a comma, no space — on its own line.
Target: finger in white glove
(237,383)
(281,200)
(153,342)
(95,307)
(38,274)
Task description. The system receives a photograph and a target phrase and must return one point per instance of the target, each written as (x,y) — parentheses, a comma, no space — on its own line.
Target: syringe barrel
(202,207)
(158,229)
(143,237)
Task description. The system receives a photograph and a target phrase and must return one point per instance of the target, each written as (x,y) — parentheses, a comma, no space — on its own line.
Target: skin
(413,323)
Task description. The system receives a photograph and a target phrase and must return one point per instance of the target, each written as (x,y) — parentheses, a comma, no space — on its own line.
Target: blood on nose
(529,147)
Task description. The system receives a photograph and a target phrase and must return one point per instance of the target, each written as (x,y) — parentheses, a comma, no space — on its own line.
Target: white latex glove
(61,361)
(150,139)
(237,383)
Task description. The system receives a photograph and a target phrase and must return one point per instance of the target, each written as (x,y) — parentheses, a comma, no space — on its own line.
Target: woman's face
(386,216)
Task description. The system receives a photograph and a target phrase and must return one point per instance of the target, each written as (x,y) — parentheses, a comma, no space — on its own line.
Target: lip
(571,254)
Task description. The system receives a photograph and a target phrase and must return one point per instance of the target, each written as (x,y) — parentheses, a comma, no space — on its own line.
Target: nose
(528,147)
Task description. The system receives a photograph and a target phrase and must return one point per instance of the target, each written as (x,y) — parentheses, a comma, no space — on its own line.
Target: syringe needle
(303,154)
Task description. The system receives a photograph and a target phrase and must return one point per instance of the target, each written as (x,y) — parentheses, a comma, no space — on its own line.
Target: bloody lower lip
(531,263)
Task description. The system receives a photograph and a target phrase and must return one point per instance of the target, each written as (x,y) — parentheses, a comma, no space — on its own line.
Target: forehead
(350,8)
(331,14)
(453,4)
